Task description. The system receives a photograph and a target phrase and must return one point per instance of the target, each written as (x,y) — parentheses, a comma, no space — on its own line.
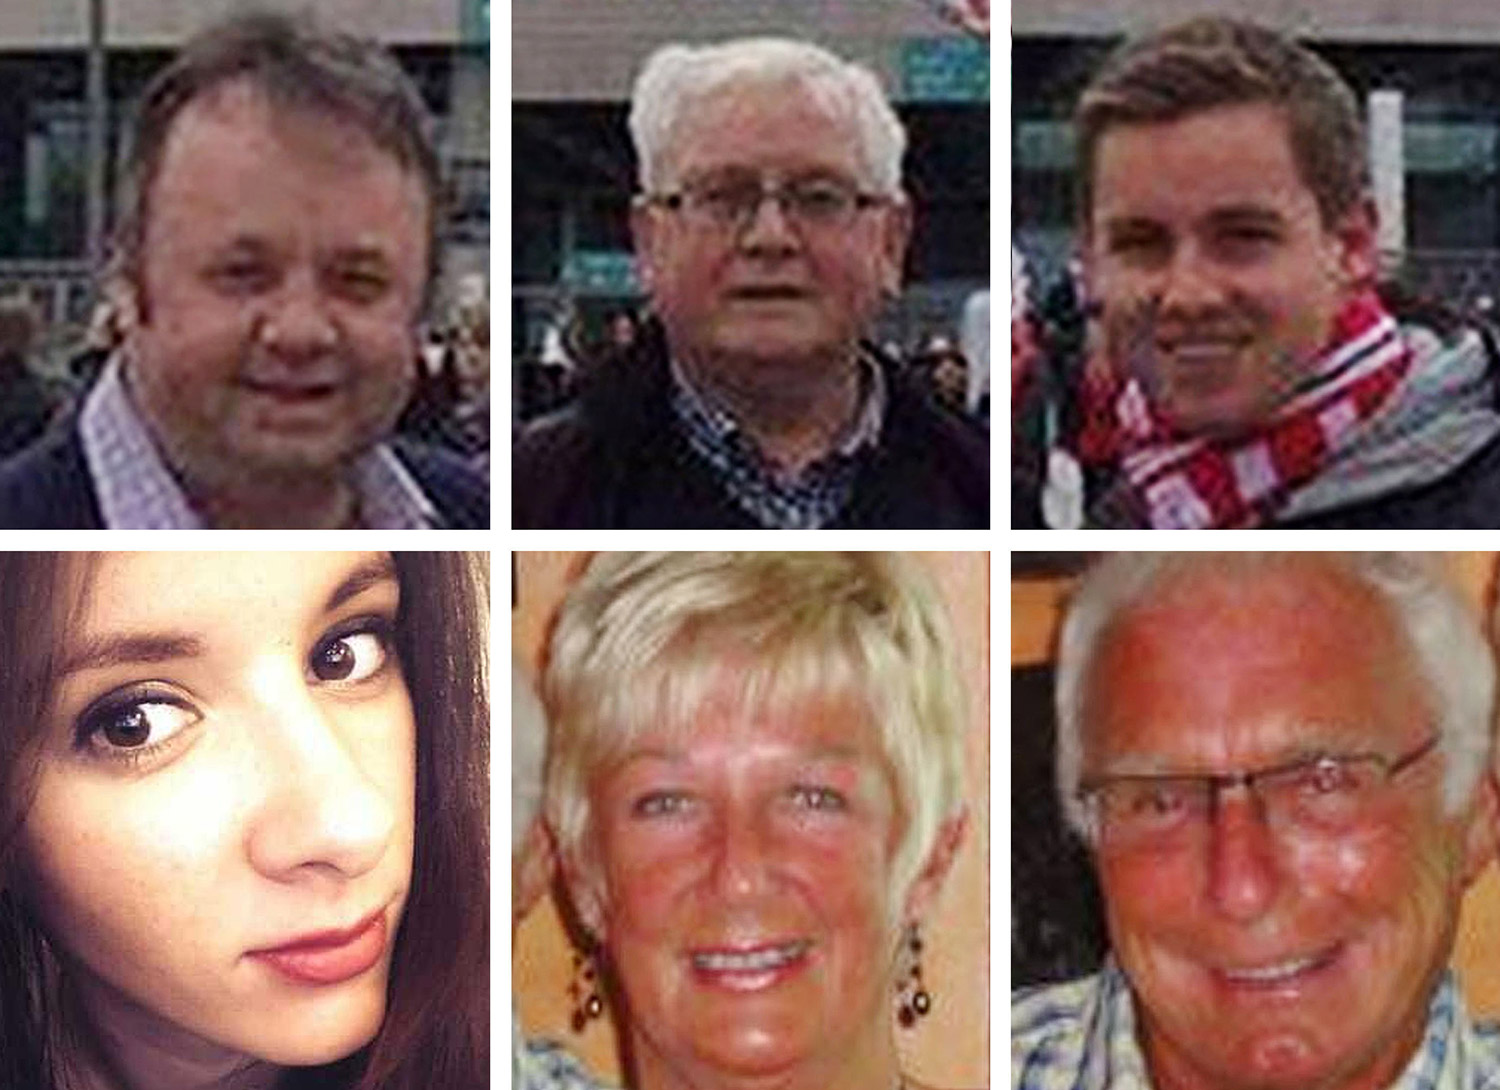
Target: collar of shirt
(811,499)
(1082,1036)
(137,491)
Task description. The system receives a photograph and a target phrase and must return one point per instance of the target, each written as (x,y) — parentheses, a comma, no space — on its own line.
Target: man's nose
(1243,862)
(319,811)
(1190,280)
(297,321)
(768,229)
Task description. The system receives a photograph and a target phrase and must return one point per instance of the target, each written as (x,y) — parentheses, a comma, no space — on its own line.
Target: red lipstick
(329,957)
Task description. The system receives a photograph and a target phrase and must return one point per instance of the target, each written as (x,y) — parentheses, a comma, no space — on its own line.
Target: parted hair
(299,67)
(646,640)
(1212,61)
(436,1028)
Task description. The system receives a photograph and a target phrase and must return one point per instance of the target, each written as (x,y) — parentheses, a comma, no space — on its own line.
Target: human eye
(356,651)
(363,283)
(134,724)
(240,274)
(820,200)
(661,803)
(818,798)
(1150,802)
(1246,241)
(725,199)
(1324,776)
(1139,245)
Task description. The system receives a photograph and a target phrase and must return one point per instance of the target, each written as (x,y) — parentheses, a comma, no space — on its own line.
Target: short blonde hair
(646,639)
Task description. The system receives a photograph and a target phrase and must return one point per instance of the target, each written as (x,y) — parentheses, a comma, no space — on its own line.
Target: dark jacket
(615,459)
(47,486)
(1466,499)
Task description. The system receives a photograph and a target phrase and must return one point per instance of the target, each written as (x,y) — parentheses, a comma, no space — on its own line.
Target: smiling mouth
(1280,974)
(769,293)
(750,969)
(292,392)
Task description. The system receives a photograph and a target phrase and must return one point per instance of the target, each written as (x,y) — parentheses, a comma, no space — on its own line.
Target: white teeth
(1271,972)
(770,957)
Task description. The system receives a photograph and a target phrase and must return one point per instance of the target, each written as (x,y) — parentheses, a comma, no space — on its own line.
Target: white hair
(678,78)
(528,752)
(1441,631)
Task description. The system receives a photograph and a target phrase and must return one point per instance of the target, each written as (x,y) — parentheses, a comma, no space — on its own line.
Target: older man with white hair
(1278,763)
(770,227)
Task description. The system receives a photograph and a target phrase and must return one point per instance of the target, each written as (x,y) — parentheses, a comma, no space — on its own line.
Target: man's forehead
(744,124)
(1231,157)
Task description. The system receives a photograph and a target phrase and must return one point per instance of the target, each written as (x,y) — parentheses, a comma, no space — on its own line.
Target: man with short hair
(1278,763)
(275,247)
(770,228)
(1249,373)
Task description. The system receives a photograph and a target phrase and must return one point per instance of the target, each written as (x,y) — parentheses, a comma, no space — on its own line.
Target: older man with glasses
(1279,765)
(770,228)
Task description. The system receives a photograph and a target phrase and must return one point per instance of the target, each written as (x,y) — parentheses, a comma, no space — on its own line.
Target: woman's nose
(319,810)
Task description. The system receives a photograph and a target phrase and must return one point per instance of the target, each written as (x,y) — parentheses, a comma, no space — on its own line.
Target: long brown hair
(435,1033)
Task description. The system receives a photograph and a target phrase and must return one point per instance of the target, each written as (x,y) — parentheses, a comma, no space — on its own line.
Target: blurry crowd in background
(953,365)
(46,370)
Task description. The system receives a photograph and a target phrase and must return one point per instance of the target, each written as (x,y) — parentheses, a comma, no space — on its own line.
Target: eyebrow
(104,652)
(147,648)
(369,573)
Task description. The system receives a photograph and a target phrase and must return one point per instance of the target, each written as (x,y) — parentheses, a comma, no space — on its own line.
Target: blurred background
(70,71)
(575,297)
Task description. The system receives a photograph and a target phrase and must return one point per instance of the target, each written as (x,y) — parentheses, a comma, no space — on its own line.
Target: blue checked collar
(137,491)
(814,497)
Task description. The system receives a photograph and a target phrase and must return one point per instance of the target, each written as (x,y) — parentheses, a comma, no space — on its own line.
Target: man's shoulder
(46,485)
(934,464)
(1050,1032)
(459,491)
(1467,497)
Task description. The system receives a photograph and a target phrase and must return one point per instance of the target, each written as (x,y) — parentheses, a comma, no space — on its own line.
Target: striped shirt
(543,1065)
(1081,1036)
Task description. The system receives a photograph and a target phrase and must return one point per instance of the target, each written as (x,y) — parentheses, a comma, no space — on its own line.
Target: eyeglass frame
(1089,789)
(774,189)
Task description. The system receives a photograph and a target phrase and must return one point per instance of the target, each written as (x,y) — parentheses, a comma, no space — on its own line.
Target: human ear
(583,882)
(895,234)
(644,231)
(1481,834)
(1355,235)
(929,881)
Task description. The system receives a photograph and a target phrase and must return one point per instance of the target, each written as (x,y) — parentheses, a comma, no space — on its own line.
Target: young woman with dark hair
(243,821)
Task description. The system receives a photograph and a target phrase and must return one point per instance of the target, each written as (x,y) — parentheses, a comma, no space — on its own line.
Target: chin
(323,1037)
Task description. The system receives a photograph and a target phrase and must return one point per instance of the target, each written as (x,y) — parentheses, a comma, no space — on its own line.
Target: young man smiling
(1248,373)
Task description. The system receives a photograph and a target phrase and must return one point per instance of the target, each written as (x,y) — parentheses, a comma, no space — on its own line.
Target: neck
(793,423)
(131,1048)
(280,503)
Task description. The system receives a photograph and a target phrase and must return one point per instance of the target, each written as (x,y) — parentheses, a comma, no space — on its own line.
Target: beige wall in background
(951,1046)
(1035,609)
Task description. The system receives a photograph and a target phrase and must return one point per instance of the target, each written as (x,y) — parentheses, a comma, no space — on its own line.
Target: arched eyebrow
(147,648)
(371,572)
(104,652)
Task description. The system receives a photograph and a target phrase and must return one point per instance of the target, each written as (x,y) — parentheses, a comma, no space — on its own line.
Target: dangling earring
(912,1000)
(583,990)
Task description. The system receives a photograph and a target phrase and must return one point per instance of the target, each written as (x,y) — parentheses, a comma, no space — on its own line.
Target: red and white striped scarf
(1201,483)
